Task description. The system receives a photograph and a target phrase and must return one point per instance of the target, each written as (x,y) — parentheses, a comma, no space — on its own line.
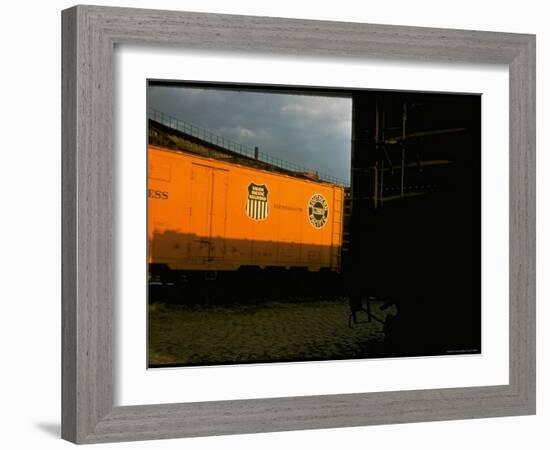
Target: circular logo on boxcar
(317,211)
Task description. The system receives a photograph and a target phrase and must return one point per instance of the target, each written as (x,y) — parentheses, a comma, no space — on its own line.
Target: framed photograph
(278,224)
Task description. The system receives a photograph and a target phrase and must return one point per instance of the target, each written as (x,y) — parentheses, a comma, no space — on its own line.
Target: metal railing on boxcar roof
(245,150)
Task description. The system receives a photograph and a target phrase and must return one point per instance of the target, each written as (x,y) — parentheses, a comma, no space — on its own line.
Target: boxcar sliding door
(208,213)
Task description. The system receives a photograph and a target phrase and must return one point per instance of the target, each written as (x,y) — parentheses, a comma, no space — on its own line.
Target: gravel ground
(268,332)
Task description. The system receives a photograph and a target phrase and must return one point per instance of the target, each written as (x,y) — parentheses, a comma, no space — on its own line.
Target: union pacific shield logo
(257,206)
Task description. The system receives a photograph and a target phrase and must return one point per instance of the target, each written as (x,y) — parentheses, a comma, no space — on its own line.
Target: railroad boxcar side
(207,214)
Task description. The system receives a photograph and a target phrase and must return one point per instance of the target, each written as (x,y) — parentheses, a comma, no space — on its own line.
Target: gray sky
(311,131)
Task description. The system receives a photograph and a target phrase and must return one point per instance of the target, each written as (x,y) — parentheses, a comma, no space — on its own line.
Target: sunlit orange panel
(206,214)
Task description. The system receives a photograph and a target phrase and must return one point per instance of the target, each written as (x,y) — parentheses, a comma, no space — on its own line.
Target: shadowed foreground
(274,331)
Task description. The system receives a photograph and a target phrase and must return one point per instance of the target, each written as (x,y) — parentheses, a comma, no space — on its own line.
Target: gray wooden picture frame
(89,36)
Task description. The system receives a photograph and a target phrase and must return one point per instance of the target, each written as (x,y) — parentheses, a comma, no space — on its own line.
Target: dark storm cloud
(311,131)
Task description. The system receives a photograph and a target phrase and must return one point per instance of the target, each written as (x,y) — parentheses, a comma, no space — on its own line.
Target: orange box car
(207,214)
